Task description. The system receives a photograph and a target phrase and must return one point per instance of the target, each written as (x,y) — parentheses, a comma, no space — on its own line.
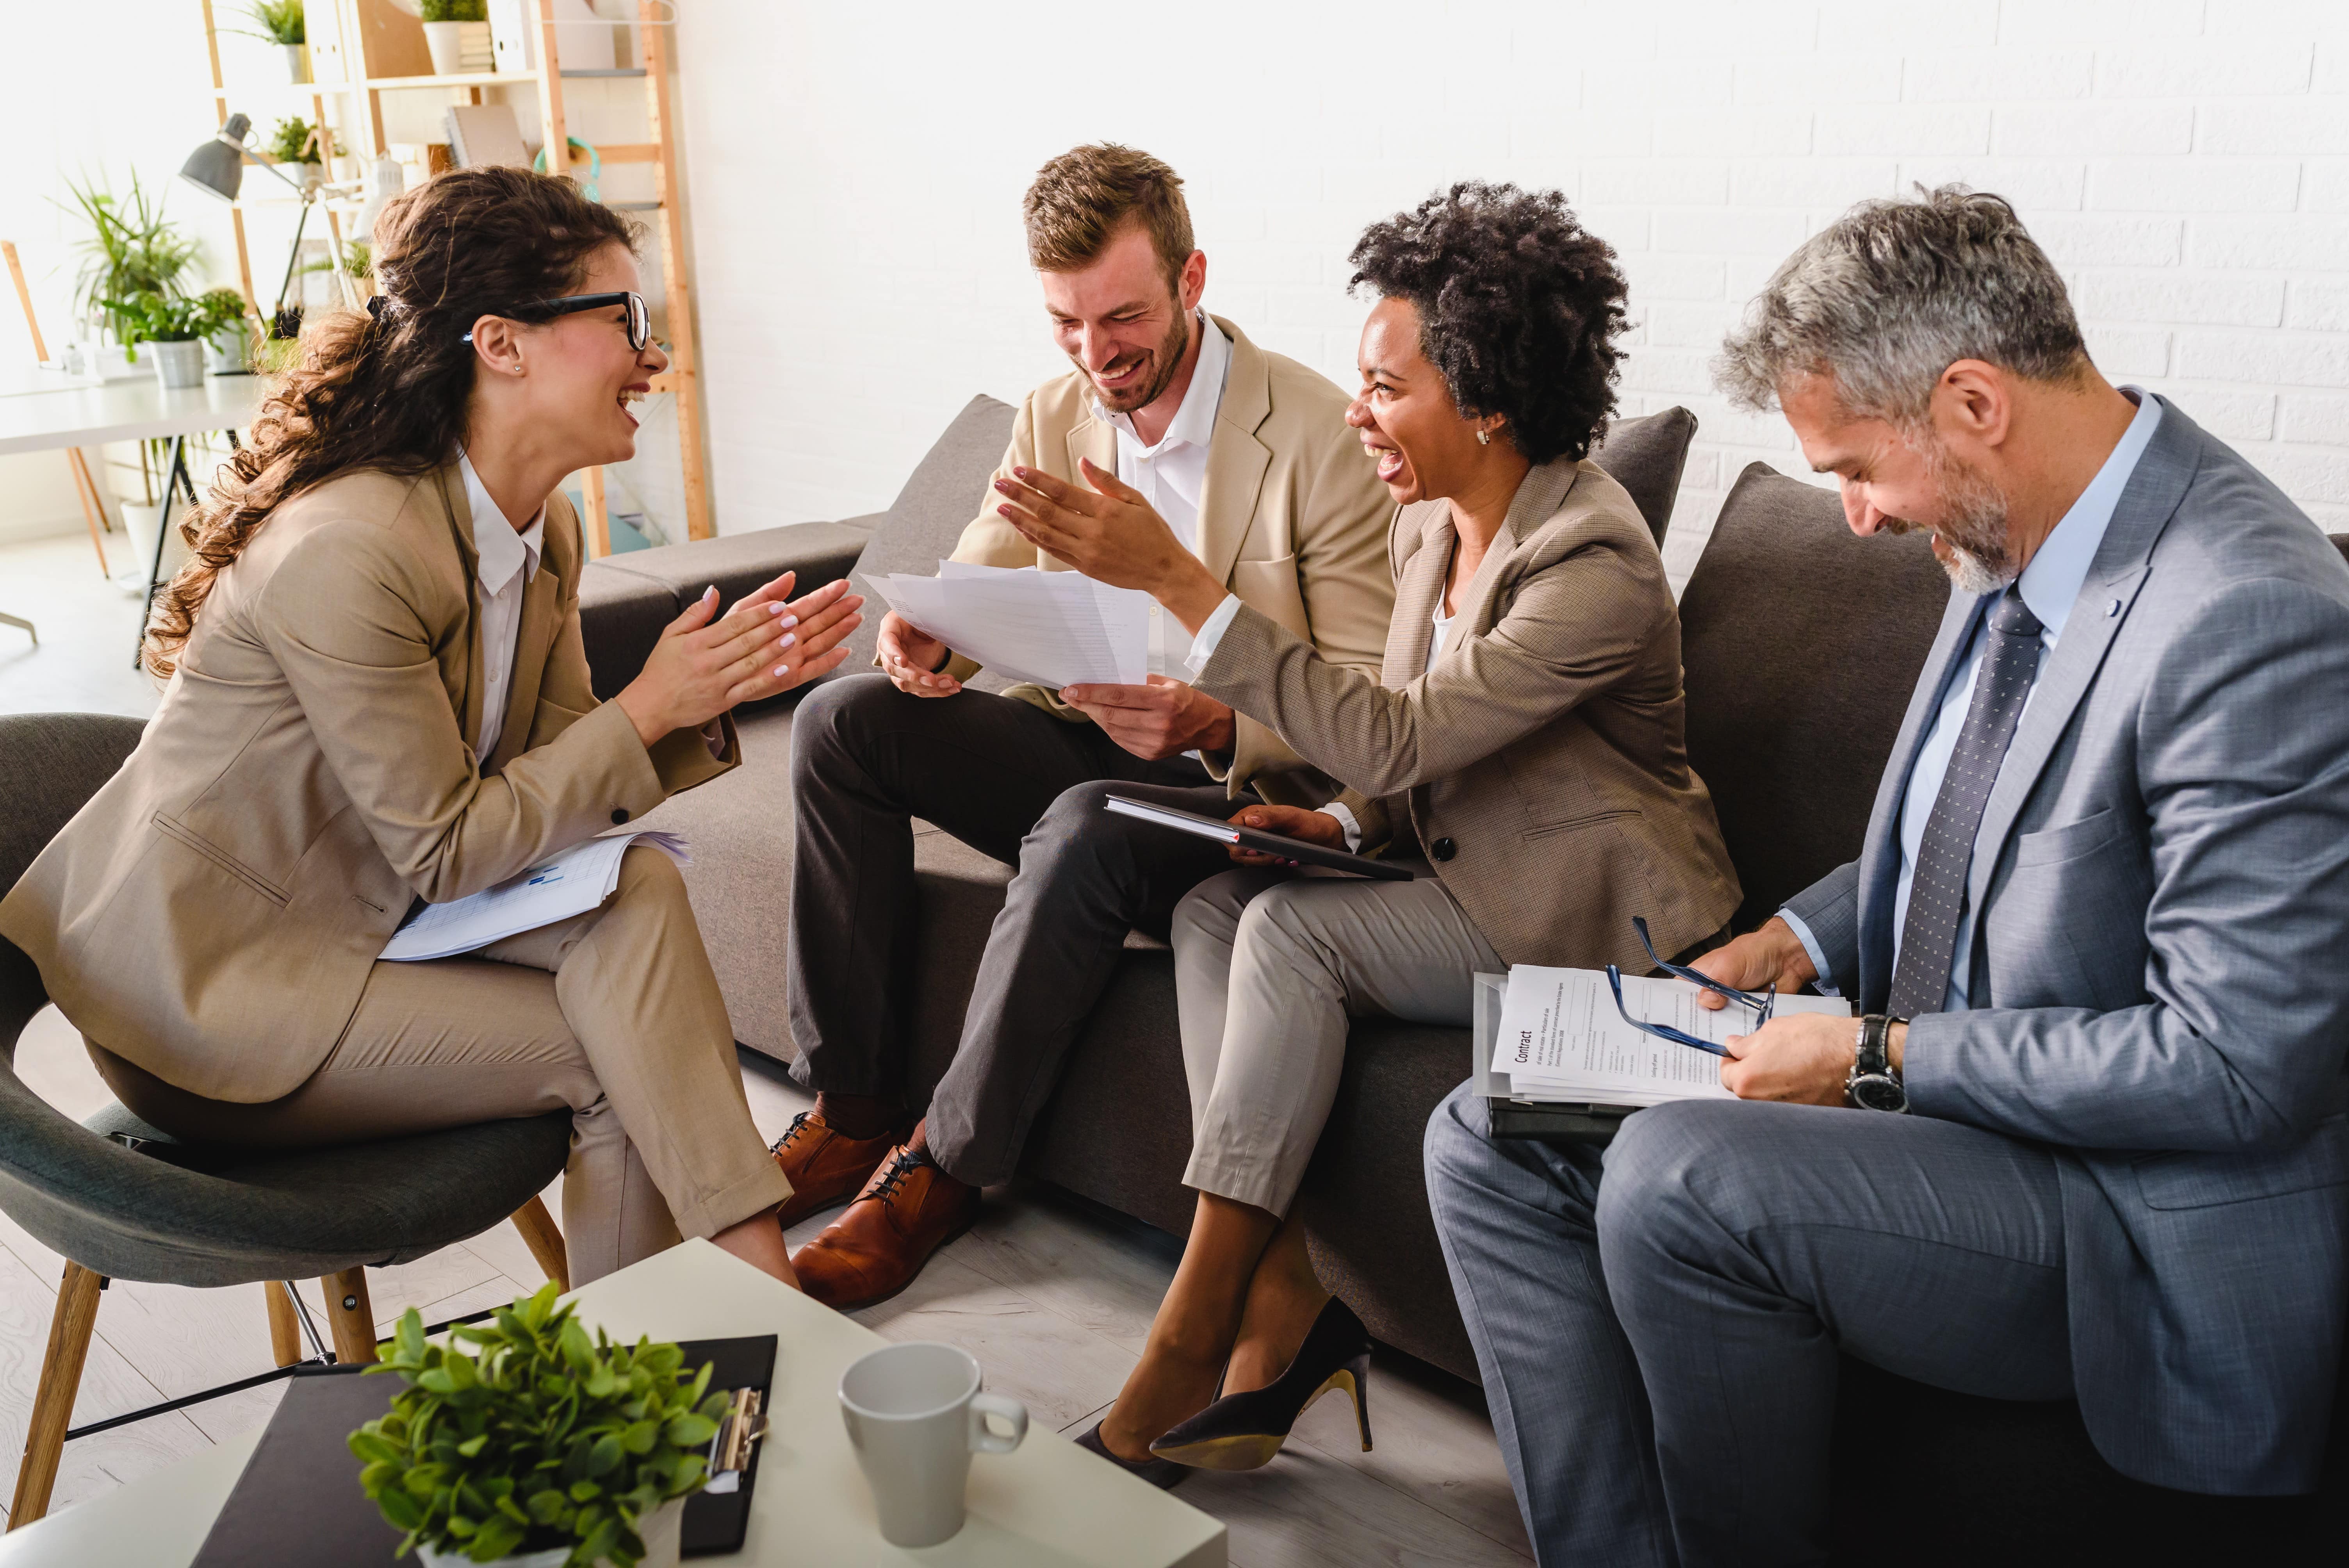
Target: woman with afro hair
(1523,753)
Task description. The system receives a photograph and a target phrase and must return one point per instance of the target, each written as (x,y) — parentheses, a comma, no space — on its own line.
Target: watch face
(1872,1092)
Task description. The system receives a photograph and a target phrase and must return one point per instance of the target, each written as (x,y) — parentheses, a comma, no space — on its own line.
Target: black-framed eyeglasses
(640,317)
(1759,1003)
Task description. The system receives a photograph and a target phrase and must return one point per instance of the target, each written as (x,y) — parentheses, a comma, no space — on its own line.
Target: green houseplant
(177,326)
(133,250)
(448,26)
(296,140)
(281,23)
(225,335)
(538,1440)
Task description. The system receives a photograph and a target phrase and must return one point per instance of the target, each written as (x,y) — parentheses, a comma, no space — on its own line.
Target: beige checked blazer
(212,912)
(1293,519)
(1545,751)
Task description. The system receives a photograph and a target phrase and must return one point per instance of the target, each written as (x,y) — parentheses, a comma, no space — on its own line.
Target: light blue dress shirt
(2049,585)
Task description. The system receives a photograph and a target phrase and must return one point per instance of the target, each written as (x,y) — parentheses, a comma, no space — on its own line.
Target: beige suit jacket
(212,914)
(1544,749)
(1293,519)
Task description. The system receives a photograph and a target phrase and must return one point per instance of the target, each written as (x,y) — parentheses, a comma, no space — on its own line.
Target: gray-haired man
(2095,927)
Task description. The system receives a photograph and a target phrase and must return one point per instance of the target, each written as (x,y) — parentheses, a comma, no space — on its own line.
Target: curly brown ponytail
(388,389)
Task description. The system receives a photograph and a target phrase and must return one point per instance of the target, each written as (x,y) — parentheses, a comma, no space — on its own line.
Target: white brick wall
(855,173)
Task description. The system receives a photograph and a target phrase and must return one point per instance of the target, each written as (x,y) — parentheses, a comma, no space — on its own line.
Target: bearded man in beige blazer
(1247,455)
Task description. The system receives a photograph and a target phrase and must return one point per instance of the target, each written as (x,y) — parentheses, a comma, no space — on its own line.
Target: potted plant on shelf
(281,23)
(133,250)
(296,141)
(458,34)
(176,325)
(539,1448)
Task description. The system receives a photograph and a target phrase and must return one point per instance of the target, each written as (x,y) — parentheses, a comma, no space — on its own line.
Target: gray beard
(1972,574)
(1973,523)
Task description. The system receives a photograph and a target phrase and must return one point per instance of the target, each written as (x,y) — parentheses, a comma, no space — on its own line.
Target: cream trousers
(1268,966)
(614,1015)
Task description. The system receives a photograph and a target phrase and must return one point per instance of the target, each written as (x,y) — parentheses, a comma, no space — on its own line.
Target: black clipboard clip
(730,1451)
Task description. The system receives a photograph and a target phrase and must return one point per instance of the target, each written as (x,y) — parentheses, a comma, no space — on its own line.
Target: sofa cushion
(620,618)
(1645,456)
(922,525)
(735,563)
(1801,643)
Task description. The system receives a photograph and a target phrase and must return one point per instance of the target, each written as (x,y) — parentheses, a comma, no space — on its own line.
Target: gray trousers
(1018,785)
(1659,1349)
(1268,967)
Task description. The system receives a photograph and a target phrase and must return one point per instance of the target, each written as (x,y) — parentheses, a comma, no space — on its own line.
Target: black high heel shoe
(1159,1473)
(1243,1431)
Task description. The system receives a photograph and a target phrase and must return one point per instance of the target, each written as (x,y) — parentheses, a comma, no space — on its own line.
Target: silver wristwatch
(1873,1084)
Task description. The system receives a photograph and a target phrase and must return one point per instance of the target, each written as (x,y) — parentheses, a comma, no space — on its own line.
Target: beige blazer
(212,912)
(1545,752)
(1293,519)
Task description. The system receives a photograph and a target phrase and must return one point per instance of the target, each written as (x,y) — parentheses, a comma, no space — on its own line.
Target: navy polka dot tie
(1937,895)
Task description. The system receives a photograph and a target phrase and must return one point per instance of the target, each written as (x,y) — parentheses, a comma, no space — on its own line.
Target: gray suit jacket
(2160,982)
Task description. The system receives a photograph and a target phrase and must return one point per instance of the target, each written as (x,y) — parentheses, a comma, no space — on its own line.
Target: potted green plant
(133,250)
(458,34)
(228,340)
(539,1447)
(281,23)
(176,325)
(295,140)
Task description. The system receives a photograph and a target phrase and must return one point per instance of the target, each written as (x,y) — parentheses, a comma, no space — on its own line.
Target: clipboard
(298,1502)
(1278,845)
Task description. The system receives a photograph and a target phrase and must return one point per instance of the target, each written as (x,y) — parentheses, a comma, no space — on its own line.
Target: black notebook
(298,1502)
(1276,844)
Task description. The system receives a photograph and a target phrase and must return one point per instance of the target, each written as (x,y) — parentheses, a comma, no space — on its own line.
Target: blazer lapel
(2147,504)
(1417,594)
(1539,495)
(461,528)
(1237,459)
(530,645)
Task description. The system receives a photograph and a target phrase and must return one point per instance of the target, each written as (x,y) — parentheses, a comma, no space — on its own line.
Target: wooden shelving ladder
(682,380)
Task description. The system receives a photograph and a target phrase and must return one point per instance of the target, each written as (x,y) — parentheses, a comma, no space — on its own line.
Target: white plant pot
(447,42)
(180,364)
(662,1536)
(297,63)
(229,351)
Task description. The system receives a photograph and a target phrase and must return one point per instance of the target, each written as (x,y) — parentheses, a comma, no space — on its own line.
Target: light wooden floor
(1054,1295)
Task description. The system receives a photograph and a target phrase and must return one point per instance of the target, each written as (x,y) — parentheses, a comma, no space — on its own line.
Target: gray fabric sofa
(1801,645)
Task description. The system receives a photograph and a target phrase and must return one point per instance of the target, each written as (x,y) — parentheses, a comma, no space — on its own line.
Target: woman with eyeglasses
(1523,753)
(377,695)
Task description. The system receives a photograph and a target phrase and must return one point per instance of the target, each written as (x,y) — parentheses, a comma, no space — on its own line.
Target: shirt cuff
(1203,646)
(1352,829)
(1826,982)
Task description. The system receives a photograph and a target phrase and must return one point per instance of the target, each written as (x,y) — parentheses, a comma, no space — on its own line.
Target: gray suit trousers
(1014,783)
(1663,1342)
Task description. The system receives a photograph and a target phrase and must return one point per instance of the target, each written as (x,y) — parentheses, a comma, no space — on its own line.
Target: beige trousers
(614,1015)
(1268,966)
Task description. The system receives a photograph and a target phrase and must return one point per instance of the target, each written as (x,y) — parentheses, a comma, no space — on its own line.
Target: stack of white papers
(1054,628)
(1562,1038)
(557,888)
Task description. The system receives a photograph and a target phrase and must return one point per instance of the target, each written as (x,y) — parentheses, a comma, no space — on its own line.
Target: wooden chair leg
(353,1318)
(285,1330)
(537,1228)
(45,1435)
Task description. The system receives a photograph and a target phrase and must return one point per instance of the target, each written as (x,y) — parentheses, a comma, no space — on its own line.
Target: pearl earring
(1484,437)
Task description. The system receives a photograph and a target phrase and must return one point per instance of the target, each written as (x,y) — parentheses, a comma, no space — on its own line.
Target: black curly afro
(1518,308)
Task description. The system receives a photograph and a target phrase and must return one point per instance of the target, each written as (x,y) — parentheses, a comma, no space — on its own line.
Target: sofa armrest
(626,600)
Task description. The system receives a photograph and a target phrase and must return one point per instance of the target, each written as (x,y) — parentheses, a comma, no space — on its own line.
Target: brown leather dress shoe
(909,1210)
(825,1166)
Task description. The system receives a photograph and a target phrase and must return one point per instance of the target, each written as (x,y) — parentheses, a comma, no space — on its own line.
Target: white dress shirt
(1173,474)
(508,558)
(2048,586)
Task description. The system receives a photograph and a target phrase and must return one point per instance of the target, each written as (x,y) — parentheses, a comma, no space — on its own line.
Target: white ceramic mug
(916,1414)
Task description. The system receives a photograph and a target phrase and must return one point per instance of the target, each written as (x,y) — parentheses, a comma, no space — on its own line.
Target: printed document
(1561,1037)
(1054,628)
(557,888)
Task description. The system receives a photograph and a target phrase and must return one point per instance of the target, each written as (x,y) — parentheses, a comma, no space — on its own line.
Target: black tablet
(1278,845)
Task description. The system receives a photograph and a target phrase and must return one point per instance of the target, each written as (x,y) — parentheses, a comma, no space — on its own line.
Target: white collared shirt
(2048,586)
(508,560)
(1172,474)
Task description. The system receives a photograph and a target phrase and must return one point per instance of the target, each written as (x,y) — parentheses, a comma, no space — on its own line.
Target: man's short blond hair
(1081,200)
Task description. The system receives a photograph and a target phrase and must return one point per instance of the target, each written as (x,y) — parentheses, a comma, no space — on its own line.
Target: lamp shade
(217,168)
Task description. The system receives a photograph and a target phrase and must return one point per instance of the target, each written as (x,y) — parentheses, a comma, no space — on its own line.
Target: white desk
(135,408)
(1048,1505)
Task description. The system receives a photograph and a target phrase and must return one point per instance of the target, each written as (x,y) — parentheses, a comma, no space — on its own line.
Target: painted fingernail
(1020,472)
(1004,510)
(710,591)
(776,609)
(790,637)
(782,670)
